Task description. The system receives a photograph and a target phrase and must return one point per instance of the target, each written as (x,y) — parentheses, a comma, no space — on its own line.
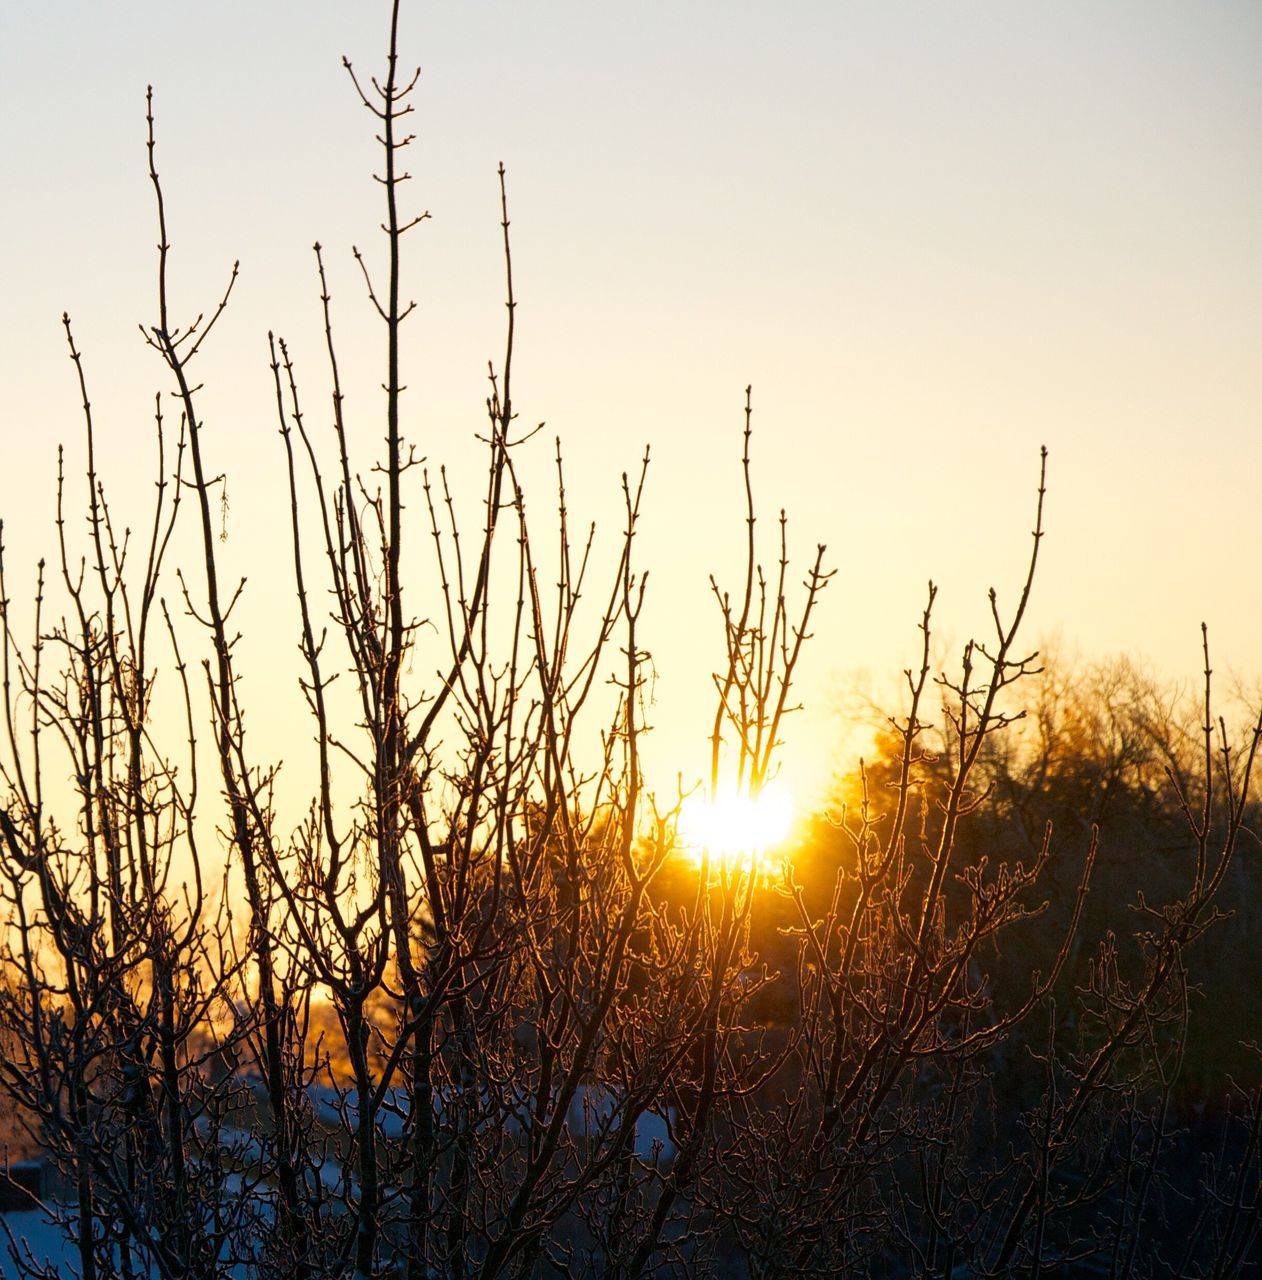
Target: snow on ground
(589,1116)
(591,1112)
(38,1239)
(44,1243)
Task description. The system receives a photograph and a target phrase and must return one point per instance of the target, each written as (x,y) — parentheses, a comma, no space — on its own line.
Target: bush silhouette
(479,1013)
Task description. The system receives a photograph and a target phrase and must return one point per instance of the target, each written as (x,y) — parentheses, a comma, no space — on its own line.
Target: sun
(735,825)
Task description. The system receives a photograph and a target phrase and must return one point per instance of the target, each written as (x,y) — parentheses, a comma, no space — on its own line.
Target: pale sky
(933,237)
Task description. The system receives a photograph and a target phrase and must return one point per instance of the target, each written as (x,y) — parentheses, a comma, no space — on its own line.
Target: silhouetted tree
(475,1014)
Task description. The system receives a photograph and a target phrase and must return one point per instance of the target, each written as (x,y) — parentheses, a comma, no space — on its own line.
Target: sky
(933,237)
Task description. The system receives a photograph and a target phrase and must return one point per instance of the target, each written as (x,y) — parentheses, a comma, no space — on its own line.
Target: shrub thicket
(476,1015)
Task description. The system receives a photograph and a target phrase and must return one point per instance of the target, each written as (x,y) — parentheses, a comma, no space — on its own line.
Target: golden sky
(933,237)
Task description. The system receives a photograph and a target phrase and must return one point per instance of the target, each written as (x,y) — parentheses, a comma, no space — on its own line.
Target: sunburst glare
(735,824)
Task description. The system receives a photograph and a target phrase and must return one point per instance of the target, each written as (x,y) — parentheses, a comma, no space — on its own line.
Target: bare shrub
(475,1013)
